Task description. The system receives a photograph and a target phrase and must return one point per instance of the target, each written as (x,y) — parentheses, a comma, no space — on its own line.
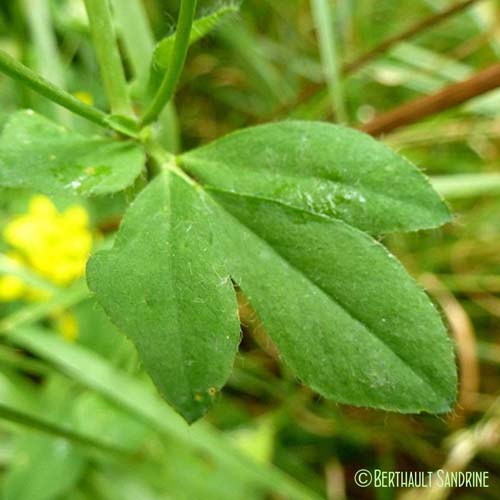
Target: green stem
(168,129)
(36,82)
(108,55)
(138,40)
(177,60)
(324,21)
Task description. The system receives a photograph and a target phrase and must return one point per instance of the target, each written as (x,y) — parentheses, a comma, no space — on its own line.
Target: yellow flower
(55,245)
(85,97)
(67,325)
(11,288)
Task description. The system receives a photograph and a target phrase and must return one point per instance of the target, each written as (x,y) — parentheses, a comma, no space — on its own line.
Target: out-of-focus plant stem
(48,62)
(467,185)
(108,55)
(324,21)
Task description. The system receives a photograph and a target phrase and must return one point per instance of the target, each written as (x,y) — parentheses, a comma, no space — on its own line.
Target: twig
(450,96)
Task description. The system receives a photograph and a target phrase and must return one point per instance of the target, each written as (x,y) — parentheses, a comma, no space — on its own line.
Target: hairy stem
(177,60)
(108,55)
(36,82)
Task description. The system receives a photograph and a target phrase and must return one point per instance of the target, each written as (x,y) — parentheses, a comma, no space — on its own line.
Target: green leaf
(42,156)
(324,169)
(343,312)
(201,27)
(280,213)
(165,287)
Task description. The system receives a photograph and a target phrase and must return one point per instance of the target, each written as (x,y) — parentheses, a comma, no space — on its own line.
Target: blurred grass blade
(45,42)
(324,21)
(266,78)
(95,373)
(136,34)
(34,422)
(431,62)
(15,360)
(23,403)
(108,55)
(34,312)
(48,62)
(467,185)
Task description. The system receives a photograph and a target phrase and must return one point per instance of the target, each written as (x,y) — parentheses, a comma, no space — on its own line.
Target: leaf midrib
(422,377)
(166,184)
(343,183)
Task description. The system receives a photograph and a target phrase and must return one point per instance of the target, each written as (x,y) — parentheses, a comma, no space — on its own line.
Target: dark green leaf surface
(345,315)
(280,213)
(324,169)
(40,155)
(165,287)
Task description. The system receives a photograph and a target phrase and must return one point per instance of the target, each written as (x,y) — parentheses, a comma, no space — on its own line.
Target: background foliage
(80,418)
